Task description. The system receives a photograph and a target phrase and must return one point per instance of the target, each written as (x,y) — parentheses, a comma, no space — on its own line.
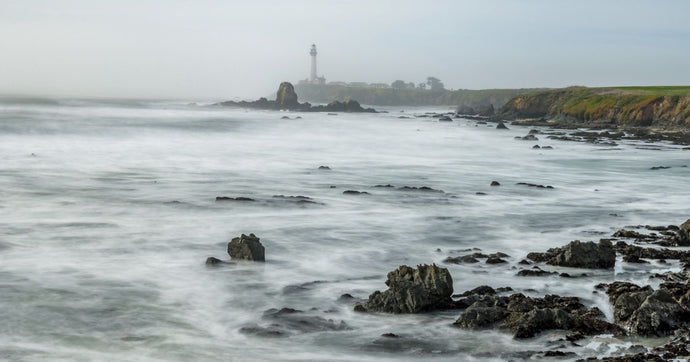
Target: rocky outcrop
(286,99)
(684,234)
(525,317)
(644,311)
(602,106)
(246,247)
(425,288)
(579,254)
(286,96)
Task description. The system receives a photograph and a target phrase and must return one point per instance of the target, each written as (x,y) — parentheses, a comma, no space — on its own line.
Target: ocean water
(108,213)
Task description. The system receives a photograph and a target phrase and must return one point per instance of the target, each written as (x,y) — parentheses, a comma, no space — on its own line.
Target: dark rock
(390,335)
(533,273)
(445,119)
(242,199)
(461,259)
(659,168)
(495,260)
(286,96)
(465,110)
(486,111)
(214,261)
(422,188)
(246,248)
(650,253)
(558,354)
(480,193)
(501,125)
(425,288)
(288,321)
(657,315)
(385,186)
(495,183)
(480,290)
(529,137)
(536,146)
(534,185)
(284,117)
(631,258)
(684,234)
(354,192)
(546,147)
(479,315)
(324,168)
(579,254)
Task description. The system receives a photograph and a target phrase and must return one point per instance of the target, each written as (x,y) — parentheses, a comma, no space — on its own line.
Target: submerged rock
(579,254)
(425,288)
(288,321)
(246,248)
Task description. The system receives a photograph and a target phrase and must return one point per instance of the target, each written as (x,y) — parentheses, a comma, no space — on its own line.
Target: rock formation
(425,288)
(286,99)
(579,254)
(246,248)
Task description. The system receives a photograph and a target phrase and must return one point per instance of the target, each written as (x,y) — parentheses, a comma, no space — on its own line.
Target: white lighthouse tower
(312,74)
(313,77)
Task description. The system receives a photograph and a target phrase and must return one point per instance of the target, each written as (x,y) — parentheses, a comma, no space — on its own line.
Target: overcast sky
(224,49)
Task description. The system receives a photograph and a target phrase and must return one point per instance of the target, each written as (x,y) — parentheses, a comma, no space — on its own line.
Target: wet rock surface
(246,247)
(288,321)
(579,255)
(411,290)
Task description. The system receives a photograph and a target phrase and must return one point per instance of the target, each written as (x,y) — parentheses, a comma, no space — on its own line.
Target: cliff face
(648,107)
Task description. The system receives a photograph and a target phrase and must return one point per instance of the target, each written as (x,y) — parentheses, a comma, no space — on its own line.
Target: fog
(226,49)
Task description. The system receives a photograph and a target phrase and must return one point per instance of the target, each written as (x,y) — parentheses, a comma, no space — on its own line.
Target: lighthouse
(312,74)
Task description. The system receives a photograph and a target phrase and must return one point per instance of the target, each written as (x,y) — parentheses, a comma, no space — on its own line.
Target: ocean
(108,213)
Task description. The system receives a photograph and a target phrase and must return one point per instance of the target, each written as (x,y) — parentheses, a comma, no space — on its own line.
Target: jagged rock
(246,248)
(684,234)
(286,96)
(425,288)
(501,125)
(526,317)
(579,254)
(657,315)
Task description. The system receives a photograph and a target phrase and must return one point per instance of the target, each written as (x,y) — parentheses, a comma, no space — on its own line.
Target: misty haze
(344,181)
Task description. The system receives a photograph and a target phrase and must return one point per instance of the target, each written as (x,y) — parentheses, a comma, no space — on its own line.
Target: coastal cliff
(662,108)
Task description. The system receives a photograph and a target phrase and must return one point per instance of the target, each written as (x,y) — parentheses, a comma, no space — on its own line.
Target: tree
(410,85)
(398,84)
(422,86)
(435,84)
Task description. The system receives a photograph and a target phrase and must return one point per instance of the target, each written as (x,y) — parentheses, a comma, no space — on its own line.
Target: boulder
(501,125)
(657,315)
(579,254)
(425,288)
(684,234)
(286,96)
(246,248)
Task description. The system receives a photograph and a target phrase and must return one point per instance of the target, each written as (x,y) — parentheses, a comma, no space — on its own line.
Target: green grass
(680,90)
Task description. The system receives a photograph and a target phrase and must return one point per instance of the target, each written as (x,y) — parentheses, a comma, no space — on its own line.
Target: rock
(495,260)
(501,125)
(529,137)
(425,288)
(479,315)
(461,259)
(284,117)
(246,248)
(534,185)
(657,315)
(214,261)
(445,119)
(324,168)
(659,168)
(536,146)
(684,234)
(242,199)
(633,259)
(579,254)
(546,147)
(354,192)
(288,321)
(495,183)
(286,96)
(533,273)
